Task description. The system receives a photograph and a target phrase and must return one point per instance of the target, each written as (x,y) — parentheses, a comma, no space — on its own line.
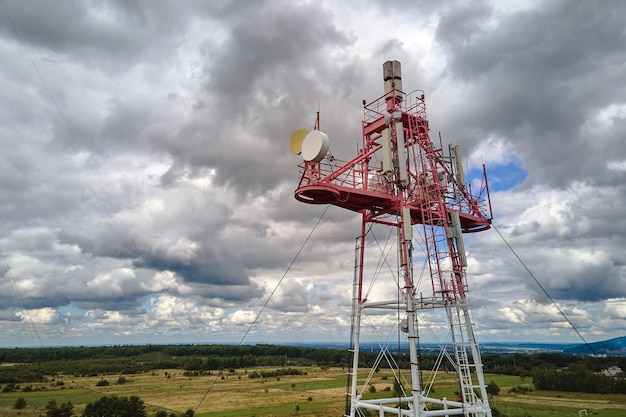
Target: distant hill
(611,347)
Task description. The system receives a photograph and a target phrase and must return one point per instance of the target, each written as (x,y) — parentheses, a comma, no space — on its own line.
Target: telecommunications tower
(400,181)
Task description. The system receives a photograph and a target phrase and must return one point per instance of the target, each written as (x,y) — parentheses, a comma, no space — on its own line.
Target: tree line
(549,370)
(36,364)
(578,378)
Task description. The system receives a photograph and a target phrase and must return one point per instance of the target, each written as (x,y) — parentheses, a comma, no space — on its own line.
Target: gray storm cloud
(145,172)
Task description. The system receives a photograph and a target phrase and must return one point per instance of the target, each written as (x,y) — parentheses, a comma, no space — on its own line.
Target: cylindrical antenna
(392,75)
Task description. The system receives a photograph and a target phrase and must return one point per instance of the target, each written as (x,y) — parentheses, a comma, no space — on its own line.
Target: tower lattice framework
(401,179)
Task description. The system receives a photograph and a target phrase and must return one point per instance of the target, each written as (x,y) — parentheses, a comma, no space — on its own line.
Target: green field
(319,392)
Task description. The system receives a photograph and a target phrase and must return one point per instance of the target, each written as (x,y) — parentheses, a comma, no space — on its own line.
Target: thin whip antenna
(317,116)
(256,318)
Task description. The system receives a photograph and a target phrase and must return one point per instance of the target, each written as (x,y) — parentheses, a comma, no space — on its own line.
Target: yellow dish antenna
(297,137)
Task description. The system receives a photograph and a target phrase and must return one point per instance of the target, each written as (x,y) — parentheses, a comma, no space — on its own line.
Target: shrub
(102,383)
(520,389)
(10,388)
(20,403)
(64,410)
(493,388)
(112,405)
(397,388)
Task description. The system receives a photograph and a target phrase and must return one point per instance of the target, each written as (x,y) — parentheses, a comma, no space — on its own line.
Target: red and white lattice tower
(401,180)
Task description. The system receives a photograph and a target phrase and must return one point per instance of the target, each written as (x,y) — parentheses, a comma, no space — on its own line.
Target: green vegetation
(35,364)
(114,406)
(20,403)
(64,410)
(578,378)
(171,381)
(493,388)
(275,373)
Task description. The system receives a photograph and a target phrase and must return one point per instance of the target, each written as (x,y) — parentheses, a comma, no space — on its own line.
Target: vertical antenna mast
(399,179)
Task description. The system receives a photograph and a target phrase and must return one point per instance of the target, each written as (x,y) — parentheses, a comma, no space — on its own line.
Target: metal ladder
(461,348)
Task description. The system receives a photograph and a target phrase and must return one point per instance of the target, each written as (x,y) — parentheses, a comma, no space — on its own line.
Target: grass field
(319,392)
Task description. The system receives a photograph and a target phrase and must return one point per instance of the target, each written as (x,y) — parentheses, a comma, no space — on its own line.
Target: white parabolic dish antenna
(315,146)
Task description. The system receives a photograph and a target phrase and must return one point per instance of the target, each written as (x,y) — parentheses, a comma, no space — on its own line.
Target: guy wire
(544,290)
(256,318)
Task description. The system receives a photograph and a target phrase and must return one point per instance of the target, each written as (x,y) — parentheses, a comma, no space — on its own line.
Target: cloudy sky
(146,187)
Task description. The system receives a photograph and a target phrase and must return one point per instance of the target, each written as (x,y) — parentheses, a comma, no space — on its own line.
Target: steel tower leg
(357,295)
(355,358)
(416,387)
(478,364)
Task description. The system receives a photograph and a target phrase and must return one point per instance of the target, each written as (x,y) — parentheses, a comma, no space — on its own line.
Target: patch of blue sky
(148,303)
(72,310)
(502,177)
(314,295)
